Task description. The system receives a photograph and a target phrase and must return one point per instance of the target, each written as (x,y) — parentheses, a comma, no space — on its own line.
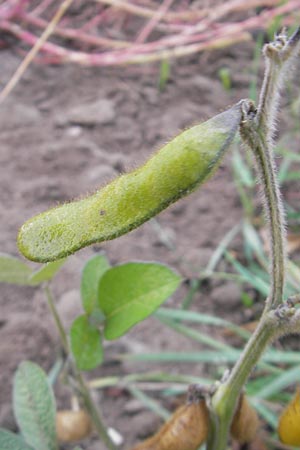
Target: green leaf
(91,275)
(86,344)
(247,300)
(242,171)
(254,242)
(287,378)
(13,271)
(213,357)
(293,176)
(225,78)
(258,283)
(266,413)
(149,402)
(164,74)
(205,319)
(131,292)
(10,441)
(46,272)
(34,407)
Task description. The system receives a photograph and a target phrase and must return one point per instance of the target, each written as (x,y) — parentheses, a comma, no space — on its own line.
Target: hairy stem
(226,397)
(94,413)
(275,323)
(257,132)
(56,318)
(279,57)
(273,210)
(82,388)
(257,128)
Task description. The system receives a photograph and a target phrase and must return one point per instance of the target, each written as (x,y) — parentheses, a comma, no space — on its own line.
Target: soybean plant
(173,172)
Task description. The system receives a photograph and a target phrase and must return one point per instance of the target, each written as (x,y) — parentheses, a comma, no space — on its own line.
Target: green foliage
(10,441)
(34,407)
(46,272)
(225,77)
(246,300)
(130,200)
(91,275)
(131,292)
(116,299)
(164,74)
(15,271)
(86,344)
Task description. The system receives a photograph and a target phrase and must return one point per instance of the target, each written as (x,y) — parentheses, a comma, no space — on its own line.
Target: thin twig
(83,389)
(147,30)
(58,322)
(193,39)
(76,35)
(34,51)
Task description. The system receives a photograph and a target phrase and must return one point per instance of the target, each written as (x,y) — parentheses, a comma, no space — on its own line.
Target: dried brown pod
(245,422)
(187,428)
(72,426)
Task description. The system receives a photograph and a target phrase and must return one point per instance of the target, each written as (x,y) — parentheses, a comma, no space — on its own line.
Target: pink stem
(76,35)
(94,21)
(146,31)
(180,44)
(190,15)
(41,8)
(12,8)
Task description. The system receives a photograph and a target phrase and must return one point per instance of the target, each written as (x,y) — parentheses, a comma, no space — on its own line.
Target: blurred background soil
(66,130)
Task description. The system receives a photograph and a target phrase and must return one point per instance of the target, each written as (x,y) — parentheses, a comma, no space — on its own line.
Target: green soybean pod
(131,199)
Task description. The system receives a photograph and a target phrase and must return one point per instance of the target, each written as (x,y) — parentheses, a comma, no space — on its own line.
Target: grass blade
(149,402)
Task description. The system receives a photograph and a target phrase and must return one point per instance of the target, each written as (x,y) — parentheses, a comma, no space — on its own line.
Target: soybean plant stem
(257,130)
(56,318)
(83,389)
(274,323)
(93,411)
(273,211)
(225,398)
(279,56)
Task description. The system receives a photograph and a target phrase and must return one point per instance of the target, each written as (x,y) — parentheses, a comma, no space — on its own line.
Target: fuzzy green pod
(132,199)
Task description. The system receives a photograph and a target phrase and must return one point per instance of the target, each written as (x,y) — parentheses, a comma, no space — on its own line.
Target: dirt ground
(67,130)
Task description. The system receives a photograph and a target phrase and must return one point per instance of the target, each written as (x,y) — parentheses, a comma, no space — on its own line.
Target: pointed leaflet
(46,272)
(86,344)
(13,271)
(91,274)
(131,292)
(34,407)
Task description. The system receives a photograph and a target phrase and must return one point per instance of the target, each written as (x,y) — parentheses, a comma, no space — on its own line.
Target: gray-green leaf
(13,270)
(86,344)
(46,272)
(91,275)
(10,441)
(34,407)
(131,292)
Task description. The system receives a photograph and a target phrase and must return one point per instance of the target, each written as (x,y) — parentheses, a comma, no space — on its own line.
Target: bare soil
(64,132)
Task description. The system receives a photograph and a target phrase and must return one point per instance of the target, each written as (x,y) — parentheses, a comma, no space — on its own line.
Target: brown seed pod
(187,428)
(245,422)
(72,426)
